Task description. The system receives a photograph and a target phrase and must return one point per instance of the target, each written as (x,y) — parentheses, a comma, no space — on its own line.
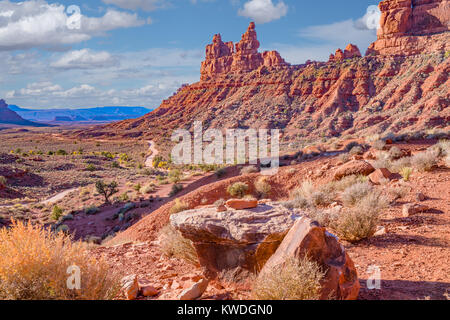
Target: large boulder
(235,239)
(307,238)
(355,167)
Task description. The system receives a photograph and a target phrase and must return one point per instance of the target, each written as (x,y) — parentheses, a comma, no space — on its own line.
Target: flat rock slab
(235,238)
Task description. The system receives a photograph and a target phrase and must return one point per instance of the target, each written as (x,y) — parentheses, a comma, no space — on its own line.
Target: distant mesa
(84,115)
(10,117)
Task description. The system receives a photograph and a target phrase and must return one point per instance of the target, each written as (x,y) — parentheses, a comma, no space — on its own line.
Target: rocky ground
(411,252)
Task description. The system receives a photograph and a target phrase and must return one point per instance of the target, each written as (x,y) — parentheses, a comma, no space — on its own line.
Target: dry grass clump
(34,264)
(295,280)
(173,244)
(355,193)
(249,169)
(360,222)
(379,144)
(263,187)
(238,189)
(309,196)
(179,206)
(424,161)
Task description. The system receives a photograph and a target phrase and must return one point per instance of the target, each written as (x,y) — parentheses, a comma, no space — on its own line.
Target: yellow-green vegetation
(57,212)
(238,189)
(173,244)
(295,280)
(175,175)
(406,172)
(179,206)
(35,264)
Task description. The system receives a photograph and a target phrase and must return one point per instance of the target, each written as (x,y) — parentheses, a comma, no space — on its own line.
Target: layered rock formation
(412,26)
(401,85)
(223,58)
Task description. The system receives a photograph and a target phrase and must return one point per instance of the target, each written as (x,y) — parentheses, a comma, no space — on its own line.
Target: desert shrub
(34,265)
(344,157)
(124,197)
(156,161)
(3,181)
(173,244)
(379,144)
(91,168)
(61,152)
(91,210)
(395,153)
(351,145)
(220,172)
(57,212)
(295,280)
(238,189)
(307,195)
(398,165)
(360,222)
(115,164)
(358,150)
(176,188)
(263,187)
(148,188)
(137,187)
(179,206)
(424,161)
(249,169)
(106,189)
(355,193)
(405,172)
(399,192)
(175,176)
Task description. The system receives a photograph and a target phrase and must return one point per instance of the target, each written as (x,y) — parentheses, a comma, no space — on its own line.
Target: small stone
(411,209)
(195,291)
(242,204)
(380,231)
(130,287)
(421,197)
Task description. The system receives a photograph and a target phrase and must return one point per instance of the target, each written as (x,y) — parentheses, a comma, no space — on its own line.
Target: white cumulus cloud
(85,59)
(36,23)
(263,11)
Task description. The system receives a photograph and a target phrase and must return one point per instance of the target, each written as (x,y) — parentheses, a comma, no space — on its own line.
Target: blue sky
(138,52)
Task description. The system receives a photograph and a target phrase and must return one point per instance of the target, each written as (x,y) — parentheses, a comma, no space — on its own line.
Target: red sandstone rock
(242,204)
(411,209)
(306,238)
(222,58)
(410,26)
(378,175)
(355,167)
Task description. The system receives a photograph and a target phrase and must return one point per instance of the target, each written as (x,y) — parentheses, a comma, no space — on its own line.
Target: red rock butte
(223,58)
(412,26)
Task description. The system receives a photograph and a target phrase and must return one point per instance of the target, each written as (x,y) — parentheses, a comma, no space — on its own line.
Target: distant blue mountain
(99,114)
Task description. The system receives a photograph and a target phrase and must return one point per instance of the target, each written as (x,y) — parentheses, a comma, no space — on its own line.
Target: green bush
(57,212)
(238,189)
(176,188)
